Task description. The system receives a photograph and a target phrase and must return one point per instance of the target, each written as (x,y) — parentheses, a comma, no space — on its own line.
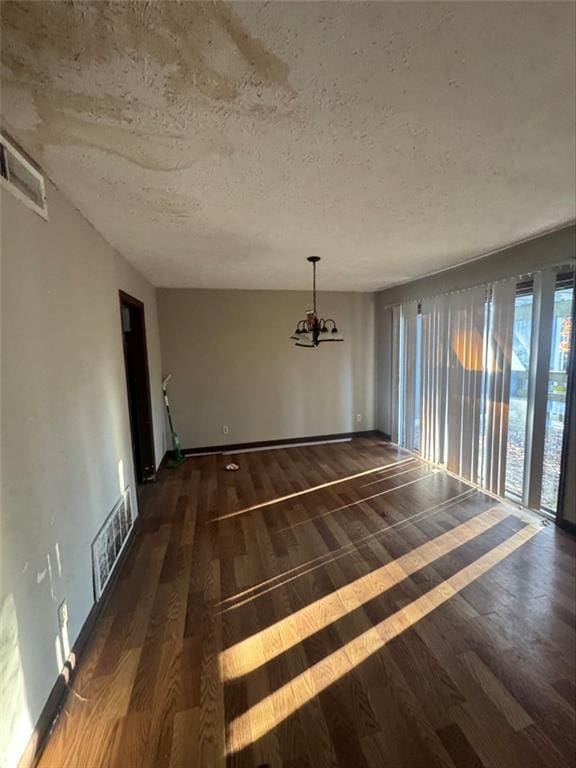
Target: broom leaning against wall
(177,455)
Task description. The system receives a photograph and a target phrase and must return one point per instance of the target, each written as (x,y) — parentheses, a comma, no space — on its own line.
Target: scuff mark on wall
(52,593)
(58,559)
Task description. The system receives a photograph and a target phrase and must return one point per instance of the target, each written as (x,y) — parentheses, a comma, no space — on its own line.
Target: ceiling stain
(215,144)
(178,58)
(172,151)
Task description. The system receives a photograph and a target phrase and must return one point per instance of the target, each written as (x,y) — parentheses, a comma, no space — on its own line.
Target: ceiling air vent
(21,178)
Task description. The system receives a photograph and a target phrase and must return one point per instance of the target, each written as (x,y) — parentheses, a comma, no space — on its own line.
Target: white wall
(65,434)
(234,364)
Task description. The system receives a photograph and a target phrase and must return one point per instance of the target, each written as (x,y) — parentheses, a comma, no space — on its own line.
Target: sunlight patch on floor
(268,713)
(294,495)
(253,652)
(311,519)
(285,577)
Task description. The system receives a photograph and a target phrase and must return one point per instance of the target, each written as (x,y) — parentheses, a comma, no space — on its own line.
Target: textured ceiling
(218,145)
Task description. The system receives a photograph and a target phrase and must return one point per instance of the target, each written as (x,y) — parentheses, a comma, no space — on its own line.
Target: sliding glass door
(552,329)
(482,383)
(557,389)
(518,401)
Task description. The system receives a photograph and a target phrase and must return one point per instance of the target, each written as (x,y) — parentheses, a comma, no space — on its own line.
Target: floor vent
(21,178)
(110,541)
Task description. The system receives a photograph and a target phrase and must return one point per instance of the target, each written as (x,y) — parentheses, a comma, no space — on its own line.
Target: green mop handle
(177,455)
(167,404)
(175,437)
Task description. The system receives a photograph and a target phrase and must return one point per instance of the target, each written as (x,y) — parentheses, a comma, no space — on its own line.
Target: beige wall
(518,259)
(234,364)
(65,434)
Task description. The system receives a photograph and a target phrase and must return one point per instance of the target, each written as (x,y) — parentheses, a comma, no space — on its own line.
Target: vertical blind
(498,367)
(433,373)
(465,365)
(451,365)
(408,378)
(395,374)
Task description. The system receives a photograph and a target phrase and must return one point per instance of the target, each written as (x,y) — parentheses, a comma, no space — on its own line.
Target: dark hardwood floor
(335,605)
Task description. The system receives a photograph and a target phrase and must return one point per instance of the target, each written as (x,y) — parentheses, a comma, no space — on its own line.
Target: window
(556,399)
(518,403)
(481,382)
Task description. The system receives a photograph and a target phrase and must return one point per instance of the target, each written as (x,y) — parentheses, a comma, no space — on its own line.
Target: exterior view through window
(560,341)
(562,334)
(518,404)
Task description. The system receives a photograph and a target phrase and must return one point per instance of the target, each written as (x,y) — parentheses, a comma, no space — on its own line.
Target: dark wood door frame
(133,328)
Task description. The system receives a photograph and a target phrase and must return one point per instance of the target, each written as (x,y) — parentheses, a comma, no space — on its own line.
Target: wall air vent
(110,541)
(21,178)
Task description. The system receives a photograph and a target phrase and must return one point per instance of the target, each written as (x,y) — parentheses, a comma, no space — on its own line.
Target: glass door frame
(566,509)
(545,284)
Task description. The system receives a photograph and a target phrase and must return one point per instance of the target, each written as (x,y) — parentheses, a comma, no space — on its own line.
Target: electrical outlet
(62,614)
(226,429)
(358,417)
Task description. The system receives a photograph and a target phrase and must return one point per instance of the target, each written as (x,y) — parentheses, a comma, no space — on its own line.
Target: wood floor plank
(334,606)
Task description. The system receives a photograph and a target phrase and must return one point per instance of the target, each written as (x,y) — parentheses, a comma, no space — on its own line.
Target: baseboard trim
(282,443)
(58,695)
(164,461)
(567,526)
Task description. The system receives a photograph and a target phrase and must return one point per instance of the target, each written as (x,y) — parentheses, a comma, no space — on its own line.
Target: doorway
(138,387)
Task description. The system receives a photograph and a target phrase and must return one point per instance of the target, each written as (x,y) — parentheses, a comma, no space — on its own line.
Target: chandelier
(314,330)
